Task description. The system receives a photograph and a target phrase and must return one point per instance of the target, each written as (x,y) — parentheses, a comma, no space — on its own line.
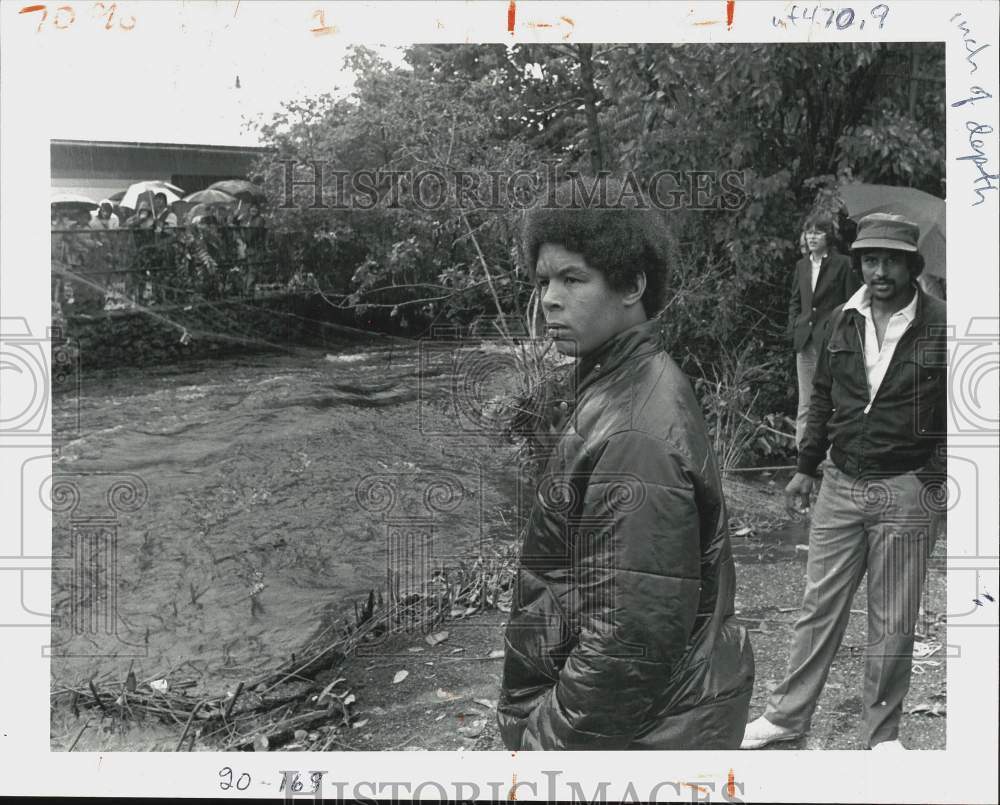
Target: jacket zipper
(864,365)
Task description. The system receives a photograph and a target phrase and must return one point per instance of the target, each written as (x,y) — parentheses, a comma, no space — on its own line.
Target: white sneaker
(889,746)
(761,733)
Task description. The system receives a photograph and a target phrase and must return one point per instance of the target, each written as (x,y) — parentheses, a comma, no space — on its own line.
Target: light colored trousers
(884,526)
(805,366)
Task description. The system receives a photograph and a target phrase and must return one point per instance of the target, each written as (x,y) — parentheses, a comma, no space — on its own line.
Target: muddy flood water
(210,517)
(246,501)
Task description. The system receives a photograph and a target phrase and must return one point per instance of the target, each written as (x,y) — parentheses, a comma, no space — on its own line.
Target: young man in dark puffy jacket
(879,403)
(621,633)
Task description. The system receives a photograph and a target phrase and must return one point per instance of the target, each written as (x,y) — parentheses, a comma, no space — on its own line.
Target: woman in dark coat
(621,633)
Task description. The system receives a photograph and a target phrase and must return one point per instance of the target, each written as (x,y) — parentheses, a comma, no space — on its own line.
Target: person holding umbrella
(164,216)
(822,282)
(879,404)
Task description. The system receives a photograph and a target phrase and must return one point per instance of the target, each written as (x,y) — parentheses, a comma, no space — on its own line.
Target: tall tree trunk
(590,99)
(914,72)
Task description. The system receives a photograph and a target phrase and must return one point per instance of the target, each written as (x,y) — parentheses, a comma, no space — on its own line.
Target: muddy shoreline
(274,488)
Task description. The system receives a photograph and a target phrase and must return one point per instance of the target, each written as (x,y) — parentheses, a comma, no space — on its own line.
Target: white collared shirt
(816,265)
(877,358)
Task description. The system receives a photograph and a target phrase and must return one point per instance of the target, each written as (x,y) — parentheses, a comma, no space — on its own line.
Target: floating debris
(437,637)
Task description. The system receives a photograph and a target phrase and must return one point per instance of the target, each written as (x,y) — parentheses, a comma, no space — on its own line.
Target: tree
(787,122)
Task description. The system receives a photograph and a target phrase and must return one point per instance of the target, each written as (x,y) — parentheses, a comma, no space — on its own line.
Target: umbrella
(210,196)
(200,211)
(925,210)
(72,200)
(148,190)
(117,197)
(242,189)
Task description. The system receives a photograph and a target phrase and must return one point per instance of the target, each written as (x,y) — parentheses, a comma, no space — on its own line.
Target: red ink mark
(731,785)
(72,18)
(699,788)
(41,22)
(512,794)
(730,11)
(322,29)
(511,16)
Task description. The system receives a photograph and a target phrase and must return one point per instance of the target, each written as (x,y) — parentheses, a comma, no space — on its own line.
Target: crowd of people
(114,257)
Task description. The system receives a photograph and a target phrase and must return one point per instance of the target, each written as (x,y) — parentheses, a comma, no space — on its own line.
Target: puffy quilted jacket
(621,633)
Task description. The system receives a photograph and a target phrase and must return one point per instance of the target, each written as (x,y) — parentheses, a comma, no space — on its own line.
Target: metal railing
(108,269)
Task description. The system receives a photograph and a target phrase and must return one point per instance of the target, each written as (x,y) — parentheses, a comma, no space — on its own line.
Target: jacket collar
(640,339)
(861,301)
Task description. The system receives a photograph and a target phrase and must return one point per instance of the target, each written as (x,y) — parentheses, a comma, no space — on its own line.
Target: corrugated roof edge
(176,146)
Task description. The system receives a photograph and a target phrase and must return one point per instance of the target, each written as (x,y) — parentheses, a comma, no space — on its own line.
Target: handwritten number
(56,18)
(101,10)
(242,782)
(292,783)
(41,22)
(843,17)
(108,26)
(322,28)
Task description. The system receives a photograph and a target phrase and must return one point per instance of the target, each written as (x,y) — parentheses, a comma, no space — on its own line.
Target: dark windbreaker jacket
(621,633)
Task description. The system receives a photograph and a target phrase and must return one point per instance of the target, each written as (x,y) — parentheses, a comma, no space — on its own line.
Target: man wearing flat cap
(878,404)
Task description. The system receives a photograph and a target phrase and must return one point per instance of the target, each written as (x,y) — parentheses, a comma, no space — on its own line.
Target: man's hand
(797,494)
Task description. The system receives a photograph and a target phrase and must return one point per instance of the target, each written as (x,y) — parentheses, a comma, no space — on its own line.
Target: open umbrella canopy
(211,196)
(117,197)
(72,200)
(241,189)
(147,190)
(197,211)
(925,210)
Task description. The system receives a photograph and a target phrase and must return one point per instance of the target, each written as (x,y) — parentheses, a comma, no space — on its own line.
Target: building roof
(230,149)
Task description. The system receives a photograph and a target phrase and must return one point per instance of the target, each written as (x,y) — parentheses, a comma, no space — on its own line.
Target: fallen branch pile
(301,704)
